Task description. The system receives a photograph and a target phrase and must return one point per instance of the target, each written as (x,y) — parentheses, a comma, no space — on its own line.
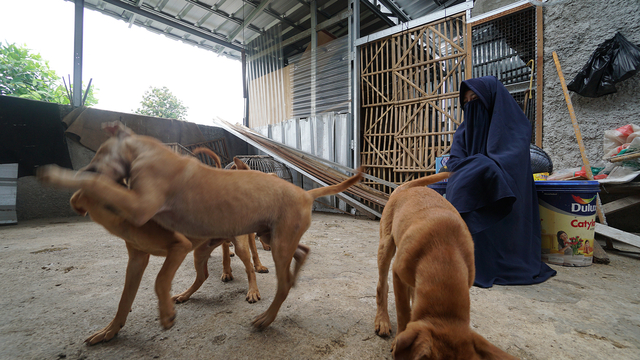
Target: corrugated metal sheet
(327,136)
(332,82)
(8,193)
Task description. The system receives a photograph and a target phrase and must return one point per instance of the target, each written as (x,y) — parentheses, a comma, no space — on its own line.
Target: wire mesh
(266,164)
(505,47)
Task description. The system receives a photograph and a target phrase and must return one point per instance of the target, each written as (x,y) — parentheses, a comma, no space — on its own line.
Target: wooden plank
(599,255)
(621,204)
(632,187)
(501,14)
(617,234)
(539,74)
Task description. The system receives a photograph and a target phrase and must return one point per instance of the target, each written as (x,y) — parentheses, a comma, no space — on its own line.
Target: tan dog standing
(242,166)
(152,239)
(432,273)
(226,253)
(184,195)
(202,253)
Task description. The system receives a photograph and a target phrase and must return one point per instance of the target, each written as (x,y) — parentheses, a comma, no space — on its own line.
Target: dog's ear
(488,351)
(116,128)
(415,342)
(239,164)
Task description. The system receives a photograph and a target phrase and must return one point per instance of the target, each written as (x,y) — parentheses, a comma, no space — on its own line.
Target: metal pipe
(77,53)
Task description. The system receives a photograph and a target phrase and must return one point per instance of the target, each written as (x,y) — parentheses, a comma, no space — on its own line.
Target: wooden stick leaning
(576,129)
(624,157)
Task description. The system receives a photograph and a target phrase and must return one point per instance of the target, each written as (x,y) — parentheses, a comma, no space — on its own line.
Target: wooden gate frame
(410,97)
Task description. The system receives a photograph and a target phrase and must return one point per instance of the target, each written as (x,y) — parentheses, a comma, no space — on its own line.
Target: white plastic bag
(615,140)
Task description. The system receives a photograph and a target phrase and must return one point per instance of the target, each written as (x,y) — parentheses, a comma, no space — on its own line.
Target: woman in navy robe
(492,186)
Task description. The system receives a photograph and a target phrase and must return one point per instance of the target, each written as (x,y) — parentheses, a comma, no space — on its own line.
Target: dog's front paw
(253,296)
(54,175)
(47,173)
(168,318)
(180,298)
(266,247)
(261,269)
(105,334)
(263,320)
(383,327)
(226,277)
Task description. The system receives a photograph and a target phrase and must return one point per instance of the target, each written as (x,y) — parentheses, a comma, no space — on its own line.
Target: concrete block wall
(573,29)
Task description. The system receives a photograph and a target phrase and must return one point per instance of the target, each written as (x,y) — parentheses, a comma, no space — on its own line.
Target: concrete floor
(61,280)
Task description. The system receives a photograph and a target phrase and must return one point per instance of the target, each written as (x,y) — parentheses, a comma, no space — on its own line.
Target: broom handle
(576,129)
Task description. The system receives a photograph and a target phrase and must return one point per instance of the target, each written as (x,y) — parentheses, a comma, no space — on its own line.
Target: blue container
(567,218)
(440,187)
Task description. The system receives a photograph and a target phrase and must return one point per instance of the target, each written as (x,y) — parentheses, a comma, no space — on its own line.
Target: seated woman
(492,186)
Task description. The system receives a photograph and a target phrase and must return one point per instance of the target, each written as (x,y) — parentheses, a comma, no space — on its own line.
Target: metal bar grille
(505,47)
(218,146)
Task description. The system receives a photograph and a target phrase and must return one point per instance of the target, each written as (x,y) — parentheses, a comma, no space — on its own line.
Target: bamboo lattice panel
(410,98)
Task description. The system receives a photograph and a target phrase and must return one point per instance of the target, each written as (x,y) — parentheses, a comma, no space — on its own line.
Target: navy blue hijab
(492,186)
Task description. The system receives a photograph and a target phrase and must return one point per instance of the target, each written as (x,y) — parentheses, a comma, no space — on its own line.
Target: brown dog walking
(152,239)
(432,274)
(182,194)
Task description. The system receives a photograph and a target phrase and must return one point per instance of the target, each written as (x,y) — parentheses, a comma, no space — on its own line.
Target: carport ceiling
(227,26)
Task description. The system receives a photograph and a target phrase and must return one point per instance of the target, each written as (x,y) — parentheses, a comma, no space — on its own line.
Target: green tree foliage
(28,76)
(160,102)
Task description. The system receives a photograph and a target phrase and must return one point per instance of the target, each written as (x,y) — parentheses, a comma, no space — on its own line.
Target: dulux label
(569,204)
(583,205)
(582,208)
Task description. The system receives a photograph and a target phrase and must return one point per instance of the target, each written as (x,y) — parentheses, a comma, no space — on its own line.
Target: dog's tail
(211,154)
(334,189)
(424,181)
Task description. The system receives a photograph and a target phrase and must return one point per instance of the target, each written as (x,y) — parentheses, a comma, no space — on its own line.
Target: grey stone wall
(573,29)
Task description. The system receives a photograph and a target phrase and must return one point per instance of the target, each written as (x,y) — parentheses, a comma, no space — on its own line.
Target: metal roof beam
(308,17)
(172,21)
(283,19)
(374,9)
(279,17)
(319,10)
(307,33)
(247,21)
(214,10)
(391,5)
(132,19)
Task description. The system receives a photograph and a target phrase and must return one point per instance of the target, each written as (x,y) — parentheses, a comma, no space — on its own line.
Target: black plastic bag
(614,60)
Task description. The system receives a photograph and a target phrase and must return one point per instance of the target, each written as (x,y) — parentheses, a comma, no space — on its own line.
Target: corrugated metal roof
(226,26)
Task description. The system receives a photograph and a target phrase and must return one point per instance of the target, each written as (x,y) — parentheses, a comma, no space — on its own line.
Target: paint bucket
(568,219)
(440,187)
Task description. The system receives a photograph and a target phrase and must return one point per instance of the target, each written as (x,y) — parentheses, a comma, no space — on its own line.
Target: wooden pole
(539,74)
(576,129)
